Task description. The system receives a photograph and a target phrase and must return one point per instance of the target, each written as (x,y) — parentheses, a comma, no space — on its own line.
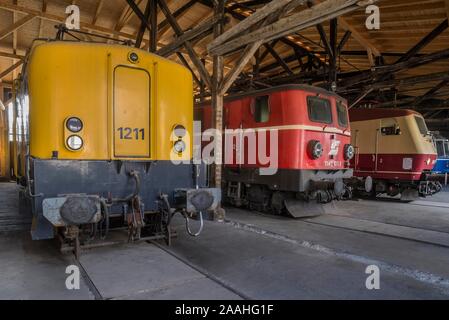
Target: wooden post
(217,100)
(5,167)
(333,58)
(3,136)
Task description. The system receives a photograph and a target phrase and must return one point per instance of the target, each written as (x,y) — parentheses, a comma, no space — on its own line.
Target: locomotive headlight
(75,143)
(315,149)
(180,131)
(349,152)
(179,146)
(74,125)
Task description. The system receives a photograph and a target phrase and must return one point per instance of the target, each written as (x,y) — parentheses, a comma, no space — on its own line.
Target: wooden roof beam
(363,40)
(317,14)
(11,69)
(97,11)
(61,19)
(205,76)
(41,22)
(12,28)
(11,55)
(447,8)
(249,22)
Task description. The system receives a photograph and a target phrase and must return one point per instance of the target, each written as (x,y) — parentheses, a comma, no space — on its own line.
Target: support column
(4,140)
(217,99)
(333,57)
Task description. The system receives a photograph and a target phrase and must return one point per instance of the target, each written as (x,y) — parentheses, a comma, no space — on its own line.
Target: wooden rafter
(188,46)
(364,40)
(317,14)
(447,8)
(11,69)
(97,11)
(11,55)
(12,28)
(61,19)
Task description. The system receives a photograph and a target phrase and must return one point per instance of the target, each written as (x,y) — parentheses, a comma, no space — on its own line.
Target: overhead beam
(343,42)
(317,14)
(7,31)
(425,41)
(188,46)
(11,55)
(248,53)
(187,36)
(154,27)
(61,19)
(363,40)
(186,64)
(446,2)
(431,92)
(11,69)
(164,25)
(250,21)
(97,11)
(278,58)
(144,24)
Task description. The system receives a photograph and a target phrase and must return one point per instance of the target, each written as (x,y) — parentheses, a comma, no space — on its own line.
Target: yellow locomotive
(4,143)
(109,142)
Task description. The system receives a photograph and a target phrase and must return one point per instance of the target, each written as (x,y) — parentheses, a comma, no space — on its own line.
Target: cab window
(342,113)
(389,127)
(422,125)
(319,110)
(440,148)
(262,109)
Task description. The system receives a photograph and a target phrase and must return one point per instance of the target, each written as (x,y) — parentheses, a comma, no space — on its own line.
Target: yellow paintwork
(366,133)
(99,84)
(131,114)
(4,145)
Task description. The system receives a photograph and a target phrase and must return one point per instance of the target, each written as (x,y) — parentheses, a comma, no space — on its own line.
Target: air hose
(188,226)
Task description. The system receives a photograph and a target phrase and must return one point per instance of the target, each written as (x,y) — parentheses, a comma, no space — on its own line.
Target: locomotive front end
(109,143)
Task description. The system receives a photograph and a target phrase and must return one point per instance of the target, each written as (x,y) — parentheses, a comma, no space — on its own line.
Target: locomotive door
(131,113)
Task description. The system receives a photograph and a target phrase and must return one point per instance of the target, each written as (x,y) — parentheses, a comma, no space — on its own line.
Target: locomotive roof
(373,114)
(286,87)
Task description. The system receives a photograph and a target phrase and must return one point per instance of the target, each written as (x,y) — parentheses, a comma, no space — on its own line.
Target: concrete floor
(253,256)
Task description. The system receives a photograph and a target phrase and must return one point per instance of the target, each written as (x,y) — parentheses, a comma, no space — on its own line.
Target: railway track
(96,292)
(372,226)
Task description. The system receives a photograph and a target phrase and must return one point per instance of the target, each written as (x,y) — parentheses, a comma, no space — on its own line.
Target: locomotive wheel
(167,235)
(278,203)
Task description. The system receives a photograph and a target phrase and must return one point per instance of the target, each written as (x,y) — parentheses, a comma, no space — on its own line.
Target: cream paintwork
(410,141)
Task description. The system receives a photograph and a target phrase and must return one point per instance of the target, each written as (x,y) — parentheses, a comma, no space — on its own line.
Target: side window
(319,110)
(261,109)
(440,148)
(389,127)
(342,113)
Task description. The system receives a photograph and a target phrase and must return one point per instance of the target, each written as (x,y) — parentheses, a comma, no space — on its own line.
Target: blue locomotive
(442,164)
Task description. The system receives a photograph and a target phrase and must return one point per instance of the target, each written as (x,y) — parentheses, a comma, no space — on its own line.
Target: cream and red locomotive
(312,145)
(395,152)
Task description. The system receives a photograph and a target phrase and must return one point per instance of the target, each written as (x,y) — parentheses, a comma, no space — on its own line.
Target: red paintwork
(390,166)
(288,108)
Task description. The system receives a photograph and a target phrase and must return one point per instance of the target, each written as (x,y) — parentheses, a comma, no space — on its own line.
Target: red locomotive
(395,152)
(312,142)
